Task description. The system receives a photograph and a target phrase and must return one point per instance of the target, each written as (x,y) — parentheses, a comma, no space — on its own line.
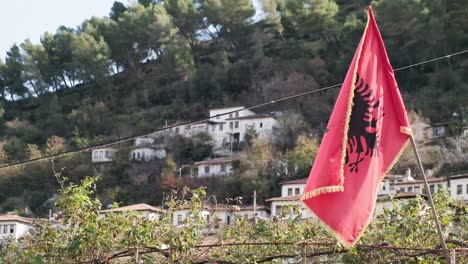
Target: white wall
(143,141)
(240,113)
(418,187)
(304,211)
(295,188)
(19,229)
(102,155)
(214,169)
(459,184)
(147,154)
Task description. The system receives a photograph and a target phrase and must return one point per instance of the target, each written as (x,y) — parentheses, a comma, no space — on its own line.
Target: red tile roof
(16,218)
(256,116)
(298,181)
(135,207)
(286,198)
(217,161)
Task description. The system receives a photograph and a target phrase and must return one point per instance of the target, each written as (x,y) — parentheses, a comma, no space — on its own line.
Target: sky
(22,19)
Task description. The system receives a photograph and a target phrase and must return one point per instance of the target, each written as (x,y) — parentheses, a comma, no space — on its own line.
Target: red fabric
(351,162)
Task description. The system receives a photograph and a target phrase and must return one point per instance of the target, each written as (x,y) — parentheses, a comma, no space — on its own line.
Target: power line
(126,139)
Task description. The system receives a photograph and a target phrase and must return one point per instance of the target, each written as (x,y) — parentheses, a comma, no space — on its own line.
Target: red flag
(366,133)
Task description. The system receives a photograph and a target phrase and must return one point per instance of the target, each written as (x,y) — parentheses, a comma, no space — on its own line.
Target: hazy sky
(22,19)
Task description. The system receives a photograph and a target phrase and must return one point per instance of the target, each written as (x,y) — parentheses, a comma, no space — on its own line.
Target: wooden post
(431,202)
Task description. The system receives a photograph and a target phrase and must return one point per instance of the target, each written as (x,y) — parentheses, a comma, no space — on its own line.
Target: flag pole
(431,202)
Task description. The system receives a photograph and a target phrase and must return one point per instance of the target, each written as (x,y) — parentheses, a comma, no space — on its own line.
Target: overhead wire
(286,98)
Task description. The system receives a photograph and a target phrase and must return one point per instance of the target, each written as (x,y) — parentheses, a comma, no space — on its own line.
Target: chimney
(408,173)
(429,173)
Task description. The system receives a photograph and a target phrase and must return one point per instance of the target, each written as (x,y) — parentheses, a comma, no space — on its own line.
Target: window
(138,155)
(108,154)
(416,189)
(459,189)
(297,191)
(207,169)
(177,130)
(213,128)
(439,187)
(230,115)
(410,189)
(12,229)
(228,220)
(237,114)
(134,155)
(278,209)
(220,127)
(466,189)
(5,229)
(179,219)
(261,124)
(231,125)
(290,191)
(392,186)
(431,188)
(223,167)
(236,124)
(383,187)
(402,189)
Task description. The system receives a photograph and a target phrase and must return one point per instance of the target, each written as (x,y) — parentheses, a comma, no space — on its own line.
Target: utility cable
(126,139)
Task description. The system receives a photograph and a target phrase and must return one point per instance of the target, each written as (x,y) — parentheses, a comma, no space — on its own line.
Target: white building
(229,125)
(147,153)
(102,155)
(222,214)
(215,167)
(14,227)
(291,192)
(145,149)
(387,186)
(144,210)
(459,187)
(417,186)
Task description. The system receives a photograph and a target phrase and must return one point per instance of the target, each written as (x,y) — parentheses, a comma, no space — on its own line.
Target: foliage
(83,235)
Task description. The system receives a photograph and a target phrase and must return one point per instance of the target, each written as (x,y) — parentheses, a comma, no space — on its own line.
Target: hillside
(158,62)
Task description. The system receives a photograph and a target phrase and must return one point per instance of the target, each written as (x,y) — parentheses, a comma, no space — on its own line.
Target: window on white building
(237,114)
(134,155)
(220,127)
(177,130)
(431,188)
(261,124)
(179,219)
(230,115)
(290,191)
(231,125)
(207,169)
(410,189)
(236,124)
(392,186)
(223,167)
(213,128)
(297,191)
(278,209)
(417,189)
(459,189)
(12,229)
(108,154)
(5,229)
(439,187)
(138,155)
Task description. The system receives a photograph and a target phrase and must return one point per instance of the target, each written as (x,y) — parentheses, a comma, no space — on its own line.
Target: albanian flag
(367,131)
